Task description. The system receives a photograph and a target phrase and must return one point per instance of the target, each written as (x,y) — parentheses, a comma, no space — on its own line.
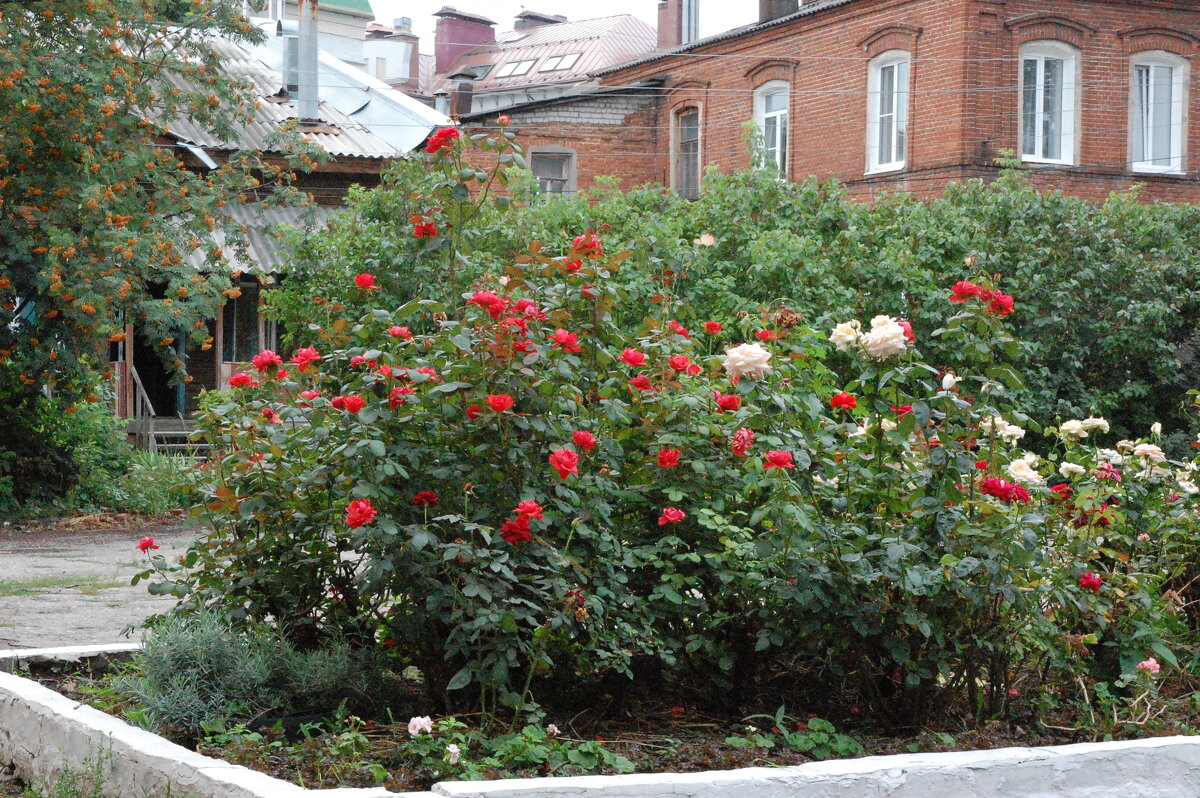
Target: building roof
(809,8)
(586,46)
(359,6)
(364,117)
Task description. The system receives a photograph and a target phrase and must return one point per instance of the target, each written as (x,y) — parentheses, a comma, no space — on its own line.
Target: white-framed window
(1157,100)
(554,170)
(685,165)
(887,111)
(557,63)
(1049,102)
(771,116)
(513,68)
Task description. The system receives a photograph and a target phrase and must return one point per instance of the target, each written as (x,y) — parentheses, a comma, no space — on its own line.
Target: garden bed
(661,744)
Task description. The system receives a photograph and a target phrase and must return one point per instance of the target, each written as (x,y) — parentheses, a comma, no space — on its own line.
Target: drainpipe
(307,104)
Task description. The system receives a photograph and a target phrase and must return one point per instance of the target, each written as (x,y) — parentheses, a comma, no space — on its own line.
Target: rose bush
(526,496)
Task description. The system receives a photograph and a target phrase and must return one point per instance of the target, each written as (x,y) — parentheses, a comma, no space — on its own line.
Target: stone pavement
(63,586)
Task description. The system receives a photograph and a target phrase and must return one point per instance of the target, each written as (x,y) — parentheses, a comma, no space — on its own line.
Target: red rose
(425,230)
(566,341)
(400,332)
(741,442)
(489,301)
(359,360)
(565,462)
(640,383)
(425,498)
(1062,492)
(430,373)
(843,401)
(266,360)
(499,402)
(503,119)
(584,440)
(516,531)
(908,330)
(524,346)
(145,544)
(777,458)
(901,410)
(270,415)
(443,139)
(529,508)
(1000,304)
(572,264)
(632,357)
(727,401)
(693,370)
(308,396)
(351,403)
(242,380)
(338,402)
(678,329)
(671,515)
(679,362)
(305,356)
(529,309)
(588,291)
(668,458)
(366,281)
(1090,581)
(712,327)
(399,394)
(1004,491)
(588,246)
(981,465)
(765,335)
(359,513)
(474,411)
(963,290)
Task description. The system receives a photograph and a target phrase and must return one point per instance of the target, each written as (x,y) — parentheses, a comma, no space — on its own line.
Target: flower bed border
(41,731)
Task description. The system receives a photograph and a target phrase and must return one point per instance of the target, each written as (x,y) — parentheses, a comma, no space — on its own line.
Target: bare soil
(66,582)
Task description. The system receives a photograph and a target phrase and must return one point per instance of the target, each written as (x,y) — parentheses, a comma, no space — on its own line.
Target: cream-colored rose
(747,360)
(1150,453)
(1188,487)
(1110,456)
(1072,430)
(1095,422)
(859,431)
(845,335)
(1069,470)
(1022,471)
(886,424)
(885,339)
(706,240)
(1125,445)
(1002,429)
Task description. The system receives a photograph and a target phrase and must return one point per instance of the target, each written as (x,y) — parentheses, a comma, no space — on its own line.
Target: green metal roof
(363,6)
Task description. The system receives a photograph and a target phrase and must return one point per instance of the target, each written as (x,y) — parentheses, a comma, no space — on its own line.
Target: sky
(715,15)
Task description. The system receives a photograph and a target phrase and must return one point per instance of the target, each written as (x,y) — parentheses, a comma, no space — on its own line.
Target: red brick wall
(963,106)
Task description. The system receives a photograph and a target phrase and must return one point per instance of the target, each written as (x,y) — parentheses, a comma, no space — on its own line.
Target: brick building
(898,95)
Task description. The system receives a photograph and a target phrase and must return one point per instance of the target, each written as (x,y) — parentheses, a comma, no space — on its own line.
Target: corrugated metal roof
(809,8)
(264,234)
(600,43)
(395,125)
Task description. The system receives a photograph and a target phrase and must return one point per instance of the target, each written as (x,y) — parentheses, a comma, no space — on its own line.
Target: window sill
(1028,159)
(886,168)
(1157,172)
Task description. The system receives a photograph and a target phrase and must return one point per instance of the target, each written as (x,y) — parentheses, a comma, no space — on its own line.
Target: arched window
(1157,100)
(887,111)
(685,144)
(1049,99)
(771,102)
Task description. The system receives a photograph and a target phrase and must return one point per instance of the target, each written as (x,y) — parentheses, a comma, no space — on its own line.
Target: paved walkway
(62,586)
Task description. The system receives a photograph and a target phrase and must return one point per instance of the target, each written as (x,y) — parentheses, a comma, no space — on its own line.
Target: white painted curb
(40,731)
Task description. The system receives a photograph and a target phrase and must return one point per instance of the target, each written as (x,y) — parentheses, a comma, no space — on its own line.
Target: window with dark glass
(687,154)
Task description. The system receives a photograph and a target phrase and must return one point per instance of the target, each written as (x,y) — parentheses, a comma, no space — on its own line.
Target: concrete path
(63,585)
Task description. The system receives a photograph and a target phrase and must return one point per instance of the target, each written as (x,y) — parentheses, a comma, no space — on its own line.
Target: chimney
(403,32)
(678,23)
(458,32)
(461,96)
(306,105)
(533,19)
(774,9)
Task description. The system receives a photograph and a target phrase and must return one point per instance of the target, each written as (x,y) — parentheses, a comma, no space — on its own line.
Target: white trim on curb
(40,731)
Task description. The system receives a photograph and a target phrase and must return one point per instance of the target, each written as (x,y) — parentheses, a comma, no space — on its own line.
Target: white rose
(1110,456)
(747,360)
(1002,429)
(1156,428)
(949,381)
(1188,487)
(1022,471)
(1072,430)
(859,431)
(885,339)
(1071,470)
(1150,452)
(1095,422)
(886,424)
(1125,445)
(453,752)
(845,335)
